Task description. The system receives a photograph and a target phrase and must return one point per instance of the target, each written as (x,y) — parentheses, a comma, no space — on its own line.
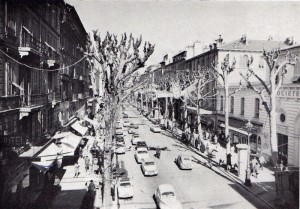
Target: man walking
(87,163)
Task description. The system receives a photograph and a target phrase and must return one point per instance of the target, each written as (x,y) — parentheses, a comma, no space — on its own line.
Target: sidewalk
(263,187)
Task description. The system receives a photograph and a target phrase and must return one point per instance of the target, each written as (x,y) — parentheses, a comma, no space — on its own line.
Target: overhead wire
(43,69)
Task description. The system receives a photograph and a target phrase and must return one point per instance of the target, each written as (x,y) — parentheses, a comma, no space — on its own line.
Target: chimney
(219,41)
(244,39)
(210,47)
(215,45)
(289,41)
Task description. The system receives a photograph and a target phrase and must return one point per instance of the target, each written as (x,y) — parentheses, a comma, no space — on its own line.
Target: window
(243,61)
(11,77)
(242,106)
(10,19)
(256,108)
(221,104)
(297,68)
(231,104)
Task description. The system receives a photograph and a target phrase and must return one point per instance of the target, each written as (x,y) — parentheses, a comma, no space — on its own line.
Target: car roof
(125,179)
(148,159)
(166,188)
(141,149)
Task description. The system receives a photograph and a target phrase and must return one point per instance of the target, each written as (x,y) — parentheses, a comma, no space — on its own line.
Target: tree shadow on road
(87,202)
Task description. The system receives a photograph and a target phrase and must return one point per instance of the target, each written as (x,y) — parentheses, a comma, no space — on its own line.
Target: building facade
(37,96)
(246,105)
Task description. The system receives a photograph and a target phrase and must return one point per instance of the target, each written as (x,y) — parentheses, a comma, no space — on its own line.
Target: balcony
(50,55)
(28,44)
(32,102)
(10,102)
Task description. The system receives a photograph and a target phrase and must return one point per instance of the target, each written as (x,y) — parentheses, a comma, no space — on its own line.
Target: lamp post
(249,127)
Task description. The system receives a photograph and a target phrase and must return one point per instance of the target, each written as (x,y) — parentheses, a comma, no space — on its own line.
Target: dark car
(120,140)
(125,115)
(141,144)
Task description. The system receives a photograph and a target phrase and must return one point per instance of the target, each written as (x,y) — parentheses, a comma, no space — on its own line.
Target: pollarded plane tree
(198,93)
(221,74)
(270,86)
(119,60)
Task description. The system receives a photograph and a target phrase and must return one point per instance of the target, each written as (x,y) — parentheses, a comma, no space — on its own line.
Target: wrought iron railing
(32,100)
(9,102)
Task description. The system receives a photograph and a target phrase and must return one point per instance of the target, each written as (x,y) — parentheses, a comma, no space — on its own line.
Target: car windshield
(135,136)
(125,184)
(149,163)
(187,159)
(143,151)
(168,194)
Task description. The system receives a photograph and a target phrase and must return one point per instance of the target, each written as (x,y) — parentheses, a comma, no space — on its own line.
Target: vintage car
(140,154)
(125,188)
(155,129)
(184,162)
(165,197)
(149,167)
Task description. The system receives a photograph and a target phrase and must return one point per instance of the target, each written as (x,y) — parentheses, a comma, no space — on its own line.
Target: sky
(172,25)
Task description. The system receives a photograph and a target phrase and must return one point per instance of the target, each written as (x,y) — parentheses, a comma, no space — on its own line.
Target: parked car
(119,125)
(119,131)
(140,154)
(155,129)
(141,143)
(131,131)
(184,162)
(149,167)
(125,115)
(135,139)
(125,188)
(133,125)
(120,149)
(126,123)
(165,197)
(120,140)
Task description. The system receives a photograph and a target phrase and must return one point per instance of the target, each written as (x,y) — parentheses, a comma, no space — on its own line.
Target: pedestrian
(80,152)
(92,189)
(76,169)
(262,161)
(87,163)
(216,139)
(256,169)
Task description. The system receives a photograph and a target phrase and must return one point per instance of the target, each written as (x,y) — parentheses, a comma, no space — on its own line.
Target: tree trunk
(273,125)
(226,108)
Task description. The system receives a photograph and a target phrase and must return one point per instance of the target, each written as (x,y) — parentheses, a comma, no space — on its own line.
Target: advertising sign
(12,141)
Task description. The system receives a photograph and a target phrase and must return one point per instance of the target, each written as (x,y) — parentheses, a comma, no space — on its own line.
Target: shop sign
(12,141)
(290,93)
(282,129)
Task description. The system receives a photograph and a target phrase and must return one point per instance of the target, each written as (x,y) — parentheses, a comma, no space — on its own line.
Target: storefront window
(282,148)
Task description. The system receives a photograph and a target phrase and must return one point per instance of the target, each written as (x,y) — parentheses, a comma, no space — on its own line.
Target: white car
(126,123)
(155,129)
(131,131)
(140,154)
(184,162)
(120,150)
(125,189)
(148,167)
(165,197)
(135,139)
(119,131)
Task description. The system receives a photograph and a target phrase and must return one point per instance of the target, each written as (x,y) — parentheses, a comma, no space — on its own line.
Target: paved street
(198,188)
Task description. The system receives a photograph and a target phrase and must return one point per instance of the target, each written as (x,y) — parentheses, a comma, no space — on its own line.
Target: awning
(48,45)
(235,129)
(50,153)
(18,86)
(69,144)
(43,165)
(61,135)
(202,111)
(72,120)
(79,128)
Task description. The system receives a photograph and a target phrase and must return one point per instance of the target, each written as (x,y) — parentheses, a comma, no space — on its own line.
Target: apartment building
(37,96)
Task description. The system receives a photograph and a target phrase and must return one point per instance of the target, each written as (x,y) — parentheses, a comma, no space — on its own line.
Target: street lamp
(249,127)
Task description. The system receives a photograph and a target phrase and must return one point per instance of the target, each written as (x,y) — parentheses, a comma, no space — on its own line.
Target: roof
(148,159)
(253,45)
(165,188)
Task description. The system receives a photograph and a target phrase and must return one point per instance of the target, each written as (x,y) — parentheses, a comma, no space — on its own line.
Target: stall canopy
(235,129)
(69,144)
(61,135)
(79,128)
(48,157)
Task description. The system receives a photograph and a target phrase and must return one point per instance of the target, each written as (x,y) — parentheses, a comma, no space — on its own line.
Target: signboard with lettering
(12,141)
(290,93)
